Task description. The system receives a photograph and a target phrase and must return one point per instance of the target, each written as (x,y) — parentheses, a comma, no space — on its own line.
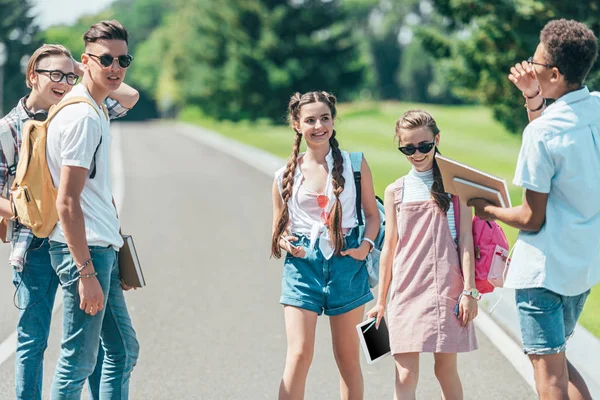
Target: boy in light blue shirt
(557,255)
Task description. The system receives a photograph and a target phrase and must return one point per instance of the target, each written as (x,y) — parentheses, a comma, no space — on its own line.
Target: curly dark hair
(571,47)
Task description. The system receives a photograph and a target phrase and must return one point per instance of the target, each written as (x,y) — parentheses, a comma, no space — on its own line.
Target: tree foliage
(491,36)
(18,33)
(243,60)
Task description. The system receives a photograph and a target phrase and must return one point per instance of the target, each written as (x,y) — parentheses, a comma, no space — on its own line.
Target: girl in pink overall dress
(421,266)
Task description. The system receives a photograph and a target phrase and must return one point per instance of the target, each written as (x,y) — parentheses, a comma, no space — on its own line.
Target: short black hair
(105,30)
(571,47)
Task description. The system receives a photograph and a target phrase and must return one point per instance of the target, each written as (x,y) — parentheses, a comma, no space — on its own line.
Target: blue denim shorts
(547,319)
(333,286)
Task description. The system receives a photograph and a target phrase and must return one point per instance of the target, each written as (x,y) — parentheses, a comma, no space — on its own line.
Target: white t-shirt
(73,138)
(560,155)
(417,187)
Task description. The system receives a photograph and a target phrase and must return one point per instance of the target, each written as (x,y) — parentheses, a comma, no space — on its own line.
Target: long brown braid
(335,217)
(414,119)
(335,220)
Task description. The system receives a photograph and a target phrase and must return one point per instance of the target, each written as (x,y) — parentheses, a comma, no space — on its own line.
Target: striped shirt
(13,122)
(417,187)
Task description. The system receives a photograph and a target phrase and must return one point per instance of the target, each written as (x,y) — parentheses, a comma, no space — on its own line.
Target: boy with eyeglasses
(557,255)
(51,73)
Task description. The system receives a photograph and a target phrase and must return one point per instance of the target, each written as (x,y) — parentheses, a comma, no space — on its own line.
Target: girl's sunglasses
(106,60)
(423,148)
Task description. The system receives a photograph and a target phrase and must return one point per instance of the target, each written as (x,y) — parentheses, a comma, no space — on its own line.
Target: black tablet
(375,342)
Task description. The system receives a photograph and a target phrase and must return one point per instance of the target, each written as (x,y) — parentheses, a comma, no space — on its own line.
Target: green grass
(468,134)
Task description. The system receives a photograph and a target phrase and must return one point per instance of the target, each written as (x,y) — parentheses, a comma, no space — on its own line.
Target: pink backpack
(491,251)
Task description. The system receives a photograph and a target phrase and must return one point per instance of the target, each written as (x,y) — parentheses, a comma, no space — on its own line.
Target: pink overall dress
(426,283)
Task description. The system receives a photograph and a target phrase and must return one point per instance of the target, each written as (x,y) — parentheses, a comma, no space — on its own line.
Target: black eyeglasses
(106,60)
(530,61)
(423,148)
(57,76)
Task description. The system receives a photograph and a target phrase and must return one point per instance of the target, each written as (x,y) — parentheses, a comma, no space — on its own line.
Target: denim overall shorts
(333,286)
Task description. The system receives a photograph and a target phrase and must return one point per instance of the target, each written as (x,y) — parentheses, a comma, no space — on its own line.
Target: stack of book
(469,183)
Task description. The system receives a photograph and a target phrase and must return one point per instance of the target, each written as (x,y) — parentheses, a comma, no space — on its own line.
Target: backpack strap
(79,99)
(93,174)
(74,100)
(456,205)
(356,161)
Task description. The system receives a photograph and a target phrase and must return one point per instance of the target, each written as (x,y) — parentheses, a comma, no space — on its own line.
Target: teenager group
(99,343)
(427,260)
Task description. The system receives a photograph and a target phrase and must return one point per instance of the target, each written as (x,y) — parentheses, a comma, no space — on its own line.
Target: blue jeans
(547,319)
(36,289)
(82,333)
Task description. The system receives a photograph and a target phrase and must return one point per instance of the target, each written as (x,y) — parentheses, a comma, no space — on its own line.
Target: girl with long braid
(314,221)
(432,300)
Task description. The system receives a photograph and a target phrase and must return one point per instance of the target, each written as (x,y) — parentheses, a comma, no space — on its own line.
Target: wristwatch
(474,293)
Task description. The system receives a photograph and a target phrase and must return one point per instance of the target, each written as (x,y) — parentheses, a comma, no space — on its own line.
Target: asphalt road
(209,322)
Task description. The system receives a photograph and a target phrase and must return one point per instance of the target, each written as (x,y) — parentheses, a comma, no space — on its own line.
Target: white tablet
(375,342)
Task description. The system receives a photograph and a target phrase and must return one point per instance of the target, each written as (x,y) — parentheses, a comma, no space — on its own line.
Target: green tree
(491,36)
(17,33)
(71,36)
(243,60)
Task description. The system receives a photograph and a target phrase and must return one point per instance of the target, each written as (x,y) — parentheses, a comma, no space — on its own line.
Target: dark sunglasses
(423,148)
(106,60)
(530,61)
(57,76)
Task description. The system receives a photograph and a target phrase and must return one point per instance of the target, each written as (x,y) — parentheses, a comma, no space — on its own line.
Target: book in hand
(469,183)
(468,190)
(130,268)
(375,342)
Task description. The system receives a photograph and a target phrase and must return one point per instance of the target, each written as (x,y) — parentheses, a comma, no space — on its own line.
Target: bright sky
(53,12)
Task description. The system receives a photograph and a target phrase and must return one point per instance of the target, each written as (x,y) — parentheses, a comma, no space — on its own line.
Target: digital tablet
(375,342)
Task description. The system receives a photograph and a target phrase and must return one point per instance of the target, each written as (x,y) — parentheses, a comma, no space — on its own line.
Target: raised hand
(523,76)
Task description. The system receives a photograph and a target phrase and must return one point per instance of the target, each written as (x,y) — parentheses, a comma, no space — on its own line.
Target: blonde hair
(47,50)
(414,119)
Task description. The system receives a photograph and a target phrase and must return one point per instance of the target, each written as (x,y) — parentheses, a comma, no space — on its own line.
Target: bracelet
(372,243)
(82,266)
(93,274)
(534,96)
(537,109)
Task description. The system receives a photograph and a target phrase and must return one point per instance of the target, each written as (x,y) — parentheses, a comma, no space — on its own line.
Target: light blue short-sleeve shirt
(560,155)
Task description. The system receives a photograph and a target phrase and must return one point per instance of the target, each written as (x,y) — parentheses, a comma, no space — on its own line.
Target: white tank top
(417,187)
(302,220)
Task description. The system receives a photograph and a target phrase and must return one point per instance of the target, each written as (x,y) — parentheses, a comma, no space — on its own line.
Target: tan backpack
(33,194)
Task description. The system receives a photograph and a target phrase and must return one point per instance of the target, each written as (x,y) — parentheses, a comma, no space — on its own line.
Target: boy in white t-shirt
(85,241)
(557,255)
(50,74)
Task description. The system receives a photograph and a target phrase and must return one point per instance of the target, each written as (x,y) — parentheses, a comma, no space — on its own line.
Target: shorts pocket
(582,298)
(66,269)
